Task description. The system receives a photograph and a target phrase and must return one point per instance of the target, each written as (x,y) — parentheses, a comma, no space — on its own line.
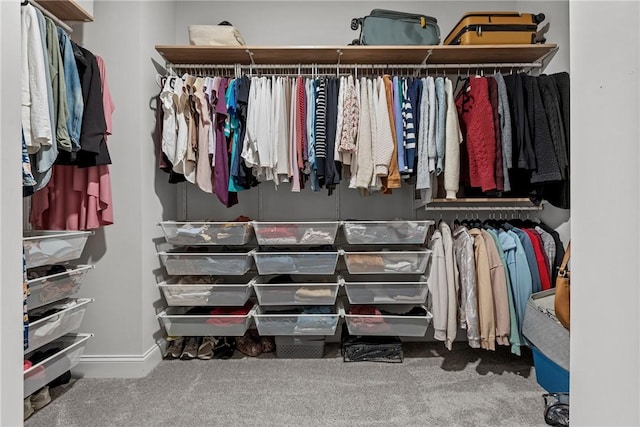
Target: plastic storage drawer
(403,290)
(182,322)
(207,233)
(387,262)
(299,347)
(289,322)
(229,291)
(388,324)
(42,373)
(178,262)
(296,233)
(386,232)
(53,247)
(48,289)
(300,292)
(549,375)
(49,328)
(296,262)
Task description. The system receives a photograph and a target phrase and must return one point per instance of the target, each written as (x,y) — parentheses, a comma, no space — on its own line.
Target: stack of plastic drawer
(54,314)
(385,280)
(297,286)
(211,269)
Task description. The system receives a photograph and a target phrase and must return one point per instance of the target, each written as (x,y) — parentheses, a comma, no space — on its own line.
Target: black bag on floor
(556,410)
(389,27)
(372,349)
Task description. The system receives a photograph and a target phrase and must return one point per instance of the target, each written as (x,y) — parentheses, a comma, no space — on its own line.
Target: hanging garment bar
(59,22)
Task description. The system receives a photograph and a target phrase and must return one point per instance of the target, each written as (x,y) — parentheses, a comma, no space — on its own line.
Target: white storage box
(54,287)
(291,321)
(183,322)
(302,291)
(42,373)
(207,233)
(387,262)
(386,232)
(385,323)
(542,329)
(296,262)
(179,262)
(67,318)
(53,247)
(228,291)
(296,233)
(403,290)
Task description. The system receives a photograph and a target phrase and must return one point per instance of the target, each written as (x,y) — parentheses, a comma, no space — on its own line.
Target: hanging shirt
(398,113)
(498,289)
(453,138)
(465,259)
(486,312)
(507,248)
(364,171)
(423,180)
(75,104)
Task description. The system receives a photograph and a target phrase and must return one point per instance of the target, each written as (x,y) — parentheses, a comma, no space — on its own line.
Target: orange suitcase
(496,28)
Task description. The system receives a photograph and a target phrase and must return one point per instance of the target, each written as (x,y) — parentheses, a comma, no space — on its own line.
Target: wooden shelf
(66,10)
(483,203)
(225,55)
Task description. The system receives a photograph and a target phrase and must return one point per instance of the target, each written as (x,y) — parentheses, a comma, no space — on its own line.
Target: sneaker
(190,348)
(225,346)
(205,351)
(28,409)
(176,345)
(41,398)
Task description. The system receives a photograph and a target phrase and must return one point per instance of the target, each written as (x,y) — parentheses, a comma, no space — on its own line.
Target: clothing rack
(329,70)
(59,22)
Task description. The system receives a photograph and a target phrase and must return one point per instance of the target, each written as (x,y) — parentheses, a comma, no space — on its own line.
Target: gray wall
(123,283)
(605,334)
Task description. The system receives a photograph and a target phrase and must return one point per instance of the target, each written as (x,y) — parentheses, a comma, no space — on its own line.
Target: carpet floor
(432,387)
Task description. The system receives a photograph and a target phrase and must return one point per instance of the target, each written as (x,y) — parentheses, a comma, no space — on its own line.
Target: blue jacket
(519,273)
(531,258)
(75,101)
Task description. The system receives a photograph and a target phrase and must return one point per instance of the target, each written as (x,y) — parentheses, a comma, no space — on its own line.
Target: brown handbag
(562,303)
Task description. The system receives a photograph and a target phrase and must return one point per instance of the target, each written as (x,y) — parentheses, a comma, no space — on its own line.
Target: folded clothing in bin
(223,315)
(372,349)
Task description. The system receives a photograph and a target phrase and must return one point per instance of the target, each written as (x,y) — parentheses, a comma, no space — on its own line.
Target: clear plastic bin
(290,321)
(386,232)
(67,319)
(302,291)
(388,324)
(227,291)
(184,322)
(207,233)
(179,262)
(403,290)
(42,373)
(55,287)
(296,233)
(296,262)
(387,262)
(53,247)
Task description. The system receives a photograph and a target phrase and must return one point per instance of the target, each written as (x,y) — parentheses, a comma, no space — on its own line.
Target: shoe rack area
(293,281)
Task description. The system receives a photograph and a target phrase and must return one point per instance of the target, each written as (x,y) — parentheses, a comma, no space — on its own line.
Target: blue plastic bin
(549,375)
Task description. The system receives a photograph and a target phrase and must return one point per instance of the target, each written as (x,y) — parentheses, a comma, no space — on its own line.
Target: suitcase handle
(539,18)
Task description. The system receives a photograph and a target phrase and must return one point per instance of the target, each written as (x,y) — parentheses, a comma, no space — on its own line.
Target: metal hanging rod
(59,22)
(484,208)
(363,66)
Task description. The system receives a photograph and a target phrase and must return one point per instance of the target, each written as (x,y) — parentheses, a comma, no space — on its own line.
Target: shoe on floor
(225,347)
(28,409)
(176,345)
(205,351)
(41,398)
(190,348)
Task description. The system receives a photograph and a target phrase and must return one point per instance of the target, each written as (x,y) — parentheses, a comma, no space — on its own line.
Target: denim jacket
(75,102)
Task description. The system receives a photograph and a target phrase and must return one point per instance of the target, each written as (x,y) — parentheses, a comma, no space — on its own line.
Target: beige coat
(486,315)
(499,288)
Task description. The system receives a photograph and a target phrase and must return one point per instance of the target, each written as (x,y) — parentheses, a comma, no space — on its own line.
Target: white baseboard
(116,366)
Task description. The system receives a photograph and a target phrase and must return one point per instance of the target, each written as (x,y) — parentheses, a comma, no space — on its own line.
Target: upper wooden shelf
(225,55)
(66,10)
